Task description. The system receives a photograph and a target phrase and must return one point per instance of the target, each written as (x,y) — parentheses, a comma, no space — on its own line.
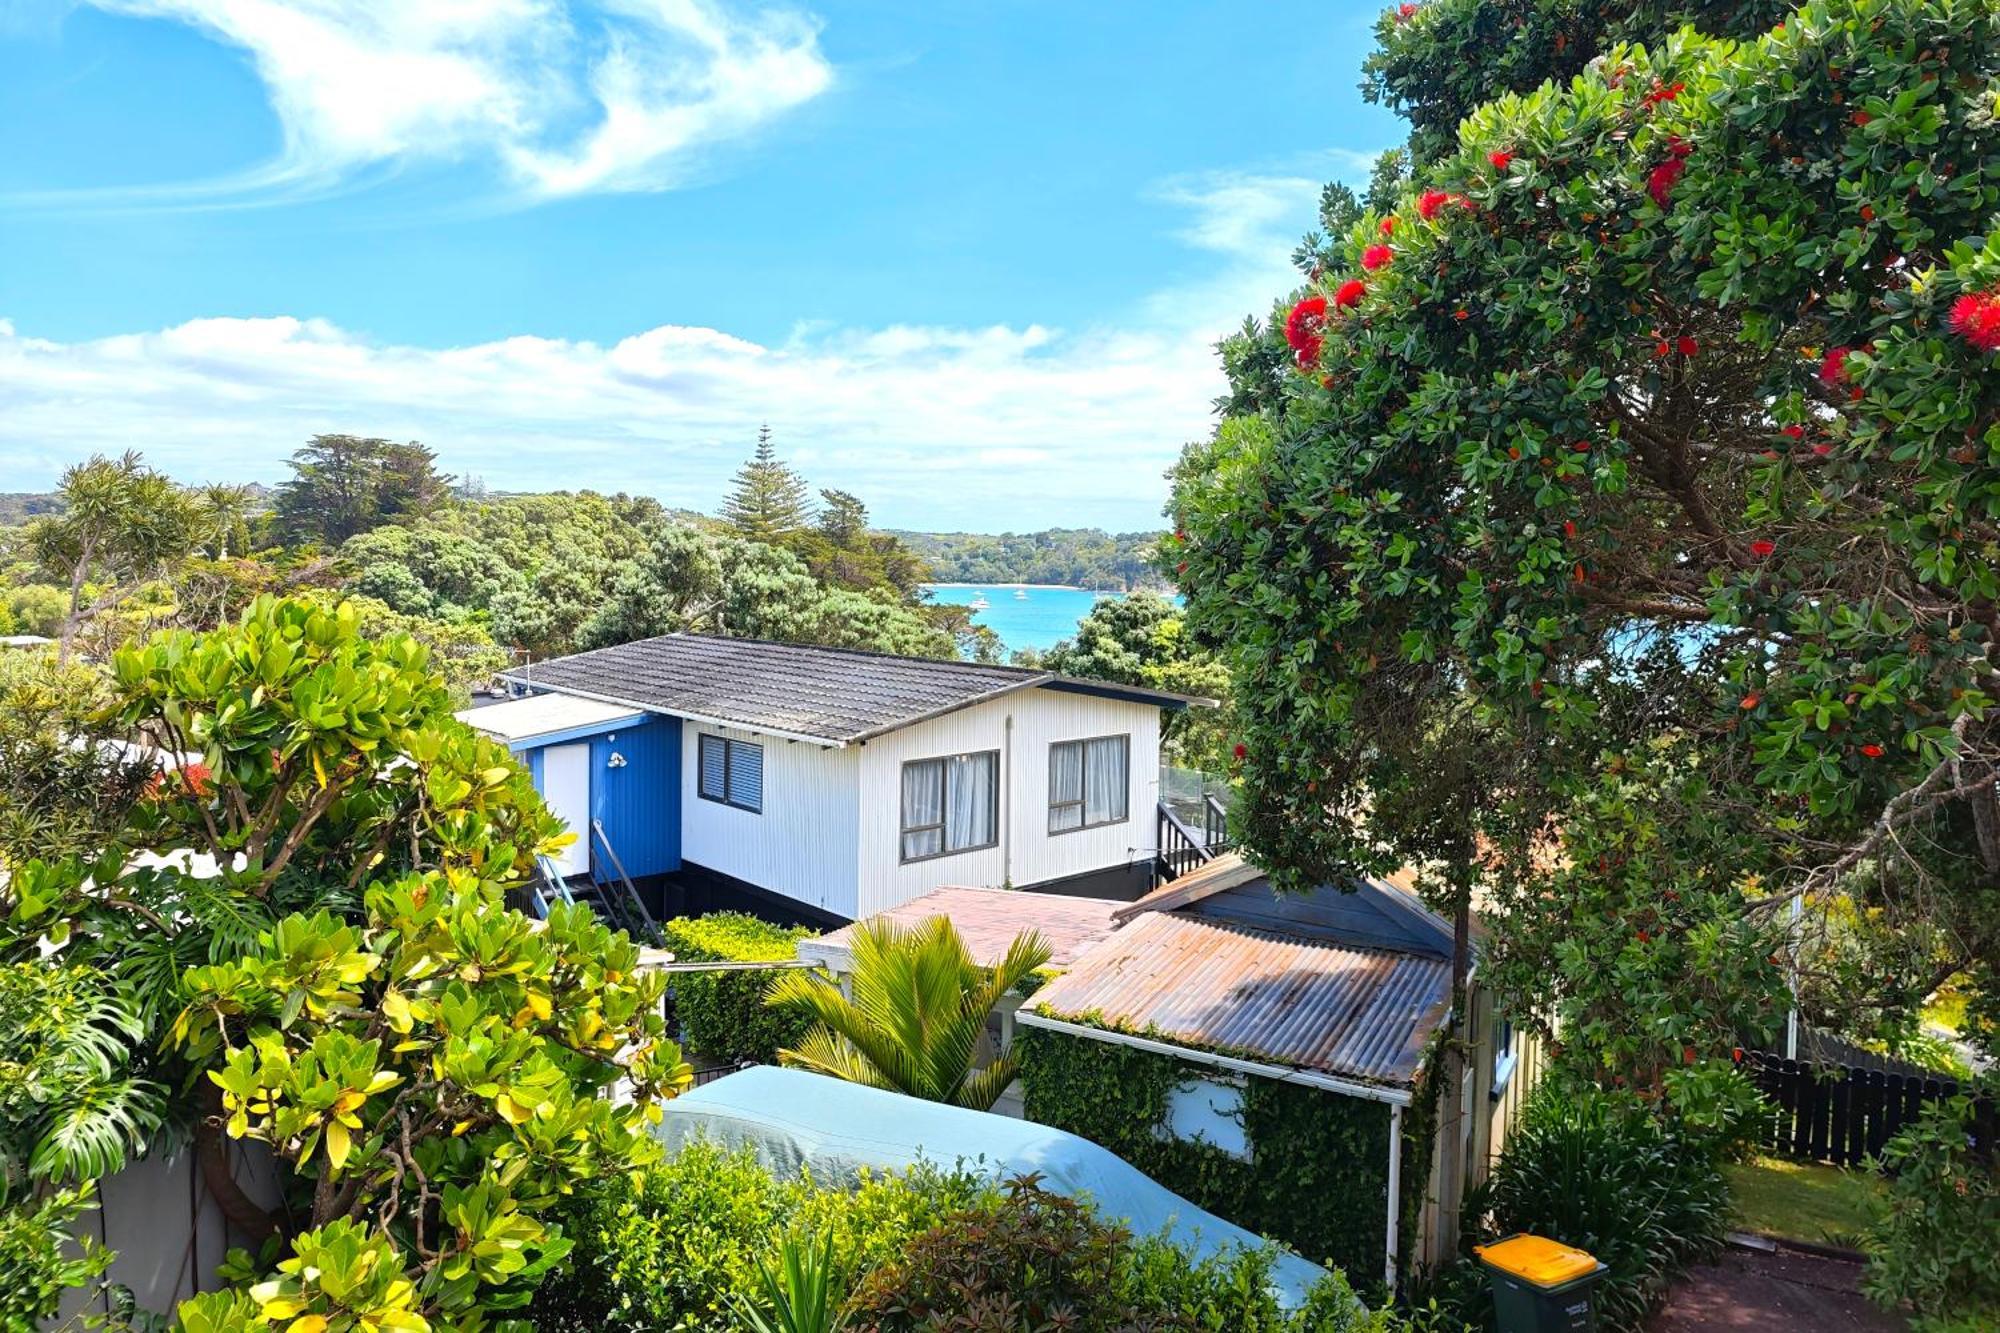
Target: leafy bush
(722,1014)
(671,1252)
(1040,1261)
(1936,1243)
(40,1259)
(1598,1170)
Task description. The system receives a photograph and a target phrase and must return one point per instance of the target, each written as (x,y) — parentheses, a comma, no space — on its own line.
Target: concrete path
(1785,1289)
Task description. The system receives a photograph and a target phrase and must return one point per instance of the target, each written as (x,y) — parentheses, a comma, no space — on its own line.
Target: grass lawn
(1801,1201)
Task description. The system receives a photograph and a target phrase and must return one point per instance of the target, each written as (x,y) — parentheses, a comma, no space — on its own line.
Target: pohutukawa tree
(1624,517)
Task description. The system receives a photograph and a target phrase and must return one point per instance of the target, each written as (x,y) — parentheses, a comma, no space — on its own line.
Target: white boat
(979,603)
(1021,594)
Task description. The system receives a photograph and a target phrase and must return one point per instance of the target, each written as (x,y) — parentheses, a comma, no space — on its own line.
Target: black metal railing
(1180,848)
(1215,823)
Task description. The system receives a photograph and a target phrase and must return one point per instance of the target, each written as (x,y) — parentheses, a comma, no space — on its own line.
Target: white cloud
(564,97)
(982,427)
(979,428)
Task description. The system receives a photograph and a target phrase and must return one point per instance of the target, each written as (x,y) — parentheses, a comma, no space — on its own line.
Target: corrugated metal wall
(639,801)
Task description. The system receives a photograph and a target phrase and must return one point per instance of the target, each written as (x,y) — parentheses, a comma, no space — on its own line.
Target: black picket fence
(1841,1114)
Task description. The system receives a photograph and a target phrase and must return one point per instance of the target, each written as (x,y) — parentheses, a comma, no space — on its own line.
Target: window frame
(904,829)
(1082,801)
(1505,1058)
(728,744)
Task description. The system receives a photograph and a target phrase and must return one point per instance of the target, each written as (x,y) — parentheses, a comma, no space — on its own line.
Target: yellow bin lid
(1537,1259)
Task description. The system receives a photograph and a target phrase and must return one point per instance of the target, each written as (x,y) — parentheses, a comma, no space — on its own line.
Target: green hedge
(722,1014)
(670,1251)
(1318,1178)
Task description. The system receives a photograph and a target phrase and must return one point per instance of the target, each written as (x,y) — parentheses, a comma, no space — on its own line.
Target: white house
(831,783)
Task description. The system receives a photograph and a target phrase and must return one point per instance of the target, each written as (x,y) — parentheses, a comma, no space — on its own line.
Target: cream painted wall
(1021,726)
(804,844)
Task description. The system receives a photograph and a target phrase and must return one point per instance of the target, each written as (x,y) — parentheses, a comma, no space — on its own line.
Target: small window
(951,805)
(732,773)
(1210,1111)
(1089,783)
(1503,1055)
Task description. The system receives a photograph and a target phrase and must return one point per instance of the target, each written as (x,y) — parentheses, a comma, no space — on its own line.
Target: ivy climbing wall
(1318,1173)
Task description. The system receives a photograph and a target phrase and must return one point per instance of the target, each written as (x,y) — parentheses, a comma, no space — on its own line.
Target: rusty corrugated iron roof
(987,920)
(1363,1014)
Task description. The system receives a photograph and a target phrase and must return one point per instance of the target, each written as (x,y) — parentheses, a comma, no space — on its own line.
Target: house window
(1504,1058)
(951,804)
(1090,783)
(1210,1111)
(732,772)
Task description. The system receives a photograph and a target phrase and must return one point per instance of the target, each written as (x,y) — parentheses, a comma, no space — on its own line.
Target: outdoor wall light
(616,760)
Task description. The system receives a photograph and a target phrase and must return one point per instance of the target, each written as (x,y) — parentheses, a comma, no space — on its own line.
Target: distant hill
(17,507)
(1079,557)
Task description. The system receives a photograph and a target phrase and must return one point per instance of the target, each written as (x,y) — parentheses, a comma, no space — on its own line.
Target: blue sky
(965,257)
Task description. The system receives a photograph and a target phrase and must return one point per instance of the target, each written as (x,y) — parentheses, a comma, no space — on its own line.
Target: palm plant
(918,1009)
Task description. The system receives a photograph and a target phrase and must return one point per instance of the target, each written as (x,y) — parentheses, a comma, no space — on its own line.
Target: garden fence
(1839,1113)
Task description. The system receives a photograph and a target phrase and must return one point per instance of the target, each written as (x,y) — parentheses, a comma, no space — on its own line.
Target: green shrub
(672,1251)
(722,1014)
(40,1258)
(1231,1294)
(1600,1171)
(1936,1242)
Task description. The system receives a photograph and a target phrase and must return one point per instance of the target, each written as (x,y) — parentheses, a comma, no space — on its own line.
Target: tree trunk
(212,1148)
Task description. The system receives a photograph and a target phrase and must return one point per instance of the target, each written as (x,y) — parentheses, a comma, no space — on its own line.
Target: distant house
(824,785)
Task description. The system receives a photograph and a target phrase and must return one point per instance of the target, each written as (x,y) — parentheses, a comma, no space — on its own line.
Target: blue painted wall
(639,803)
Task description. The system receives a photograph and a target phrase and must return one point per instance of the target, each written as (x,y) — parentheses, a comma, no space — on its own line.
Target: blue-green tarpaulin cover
(793,1119)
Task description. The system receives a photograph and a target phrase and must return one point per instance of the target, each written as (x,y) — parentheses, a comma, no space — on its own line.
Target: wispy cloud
(980,427)
(559,97)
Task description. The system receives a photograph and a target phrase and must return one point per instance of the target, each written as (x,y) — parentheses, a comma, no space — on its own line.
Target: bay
(1044,615)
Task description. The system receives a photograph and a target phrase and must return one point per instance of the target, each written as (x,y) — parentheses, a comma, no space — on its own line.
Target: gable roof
(1364,1014)
(987,920)
(1368,913)
(830,696)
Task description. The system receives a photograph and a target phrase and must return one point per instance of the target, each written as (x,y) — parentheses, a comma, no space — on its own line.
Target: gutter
(1394,1097)
(1389,1245)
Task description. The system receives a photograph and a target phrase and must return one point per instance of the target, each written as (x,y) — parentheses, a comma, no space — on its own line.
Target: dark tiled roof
(827,694)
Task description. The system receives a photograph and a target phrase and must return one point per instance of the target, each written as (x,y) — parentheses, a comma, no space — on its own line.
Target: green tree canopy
(342,485)
(1640,471)
(768,502)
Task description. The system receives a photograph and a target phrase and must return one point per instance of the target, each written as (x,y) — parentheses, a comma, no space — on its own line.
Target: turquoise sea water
(1037,620)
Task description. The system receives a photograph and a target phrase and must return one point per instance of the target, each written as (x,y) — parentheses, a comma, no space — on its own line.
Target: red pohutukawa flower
(1303,328)
(1873,751)
(1976,318)
(1763,547)
(1376,256)
(1500,160)
(1661,180)
(1241,750)
(1662,92)
(1793,432)
(1388,227)
(1687,346)
(1349,294)
(1833,367)
(1432,202)
(1405,12)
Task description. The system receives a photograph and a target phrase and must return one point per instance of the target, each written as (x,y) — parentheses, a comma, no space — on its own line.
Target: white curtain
(969,794)
(923,803)
(1065,787)
(1105,781)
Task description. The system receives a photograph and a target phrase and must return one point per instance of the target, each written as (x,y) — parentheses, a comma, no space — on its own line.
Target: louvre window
(1089,783)
(732,772)
(951,805)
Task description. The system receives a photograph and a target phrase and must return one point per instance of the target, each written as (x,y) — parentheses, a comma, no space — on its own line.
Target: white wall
(1027,853)
(803,845)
